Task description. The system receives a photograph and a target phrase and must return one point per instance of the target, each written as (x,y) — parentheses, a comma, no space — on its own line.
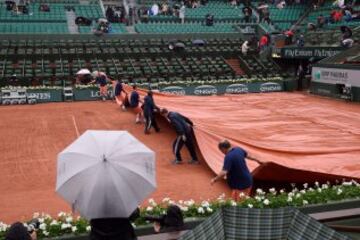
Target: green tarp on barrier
(88,94)
(46,95)
(236,88)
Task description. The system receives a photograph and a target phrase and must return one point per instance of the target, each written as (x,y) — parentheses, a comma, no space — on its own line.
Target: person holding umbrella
(114,228)
(149,110)
(183,127)
(104,176)
(235,169)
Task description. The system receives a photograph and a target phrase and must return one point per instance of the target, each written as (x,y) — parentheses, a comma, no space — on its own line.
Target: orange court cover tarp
(296,137)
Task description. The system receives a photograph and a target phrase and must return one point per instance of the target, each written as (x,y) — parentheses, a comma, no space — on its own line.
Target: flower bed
(65,223)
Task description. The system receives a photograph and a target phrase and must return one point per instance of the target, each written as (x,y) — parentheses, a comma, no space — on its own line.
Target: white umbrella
(105,174)
(83,71)
(263,6)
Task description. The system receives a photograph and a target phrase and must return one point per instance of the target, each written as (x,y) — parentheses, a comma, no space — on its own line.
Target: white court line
(75,125)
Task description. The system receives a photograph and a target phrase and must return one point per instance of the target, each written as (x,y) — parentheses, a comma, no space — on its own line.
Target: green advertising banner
(88,94)
(237,88)
(310,52)
(46,95)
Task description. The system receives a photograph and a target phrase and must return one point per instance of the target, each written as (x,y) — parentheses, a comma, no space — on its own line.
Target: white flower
(339,191)
(317,184)
(181,202)
(298,195)
(88,228)
(74,229)
(65,226)
(272,190)
(54,222)
(311,190)
(282,191)
(61,214)
(166,200)
(222,196)
(347,183)
(69,219)
(291,194)
(149,209)
(184,208)
(200,210)
(208,209)
(250,205)
(205,204)
(324,186)
(302,191)
(189,203)
(242,195)
(233,203)
(46,233)
(257,198)
(152,202)
(3,227)
(305,202)
(259,191)
(305,185)
(289,199)
(319,190)
(42,226)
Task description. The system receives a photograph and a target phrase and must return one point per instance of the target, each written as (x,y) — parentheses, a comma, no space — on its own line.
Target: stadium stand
(147,60)
(52,21)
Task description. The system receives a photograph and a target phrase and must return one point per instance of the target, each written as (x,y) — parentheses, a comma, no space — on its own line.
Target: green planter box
(46,95)
(191,223)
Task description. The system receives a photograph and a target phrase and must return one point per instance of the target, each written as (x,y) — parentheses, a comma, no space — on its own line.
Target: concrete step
(235,65)
(70,17)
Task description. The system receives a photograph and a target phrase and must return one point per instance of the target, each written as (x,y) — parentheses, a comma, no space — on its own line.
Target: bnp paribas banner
(238,88)
(310,52)
(336,76)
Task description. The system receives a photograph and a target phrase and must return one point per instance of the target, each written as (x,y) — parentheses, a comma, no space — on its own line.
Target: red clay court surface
(32,136)
(296,137)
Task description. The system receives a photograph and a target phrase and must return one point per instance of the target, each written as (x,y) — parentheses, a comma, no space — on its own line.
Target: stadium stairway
(70,17)
(235,65)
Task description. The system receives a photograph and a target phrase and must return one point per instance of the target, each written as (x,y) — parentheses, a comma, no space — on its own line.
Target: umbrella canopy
(247,223)
(102,20)
(105,174)
(198,42)
(263,6)
(83,71)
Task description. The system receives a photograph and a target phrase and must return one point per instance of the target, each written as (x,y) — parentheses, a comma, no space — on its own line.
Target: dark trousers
(151,122)
(189,143)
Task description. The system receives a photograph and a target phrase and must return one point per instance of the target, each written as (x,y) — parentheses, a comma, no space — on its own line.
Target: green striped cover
(265,224)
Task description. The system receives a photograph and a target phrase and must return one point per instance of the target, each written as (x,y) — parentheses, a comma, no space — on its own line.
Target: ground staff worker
(135,104)
(183,128)
(149,113)
(236,171)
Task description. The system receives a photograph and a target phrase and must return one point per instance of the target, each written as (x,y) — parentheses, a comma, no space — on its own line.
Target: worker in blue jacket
(149,113)
(184,131)
(135,104)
